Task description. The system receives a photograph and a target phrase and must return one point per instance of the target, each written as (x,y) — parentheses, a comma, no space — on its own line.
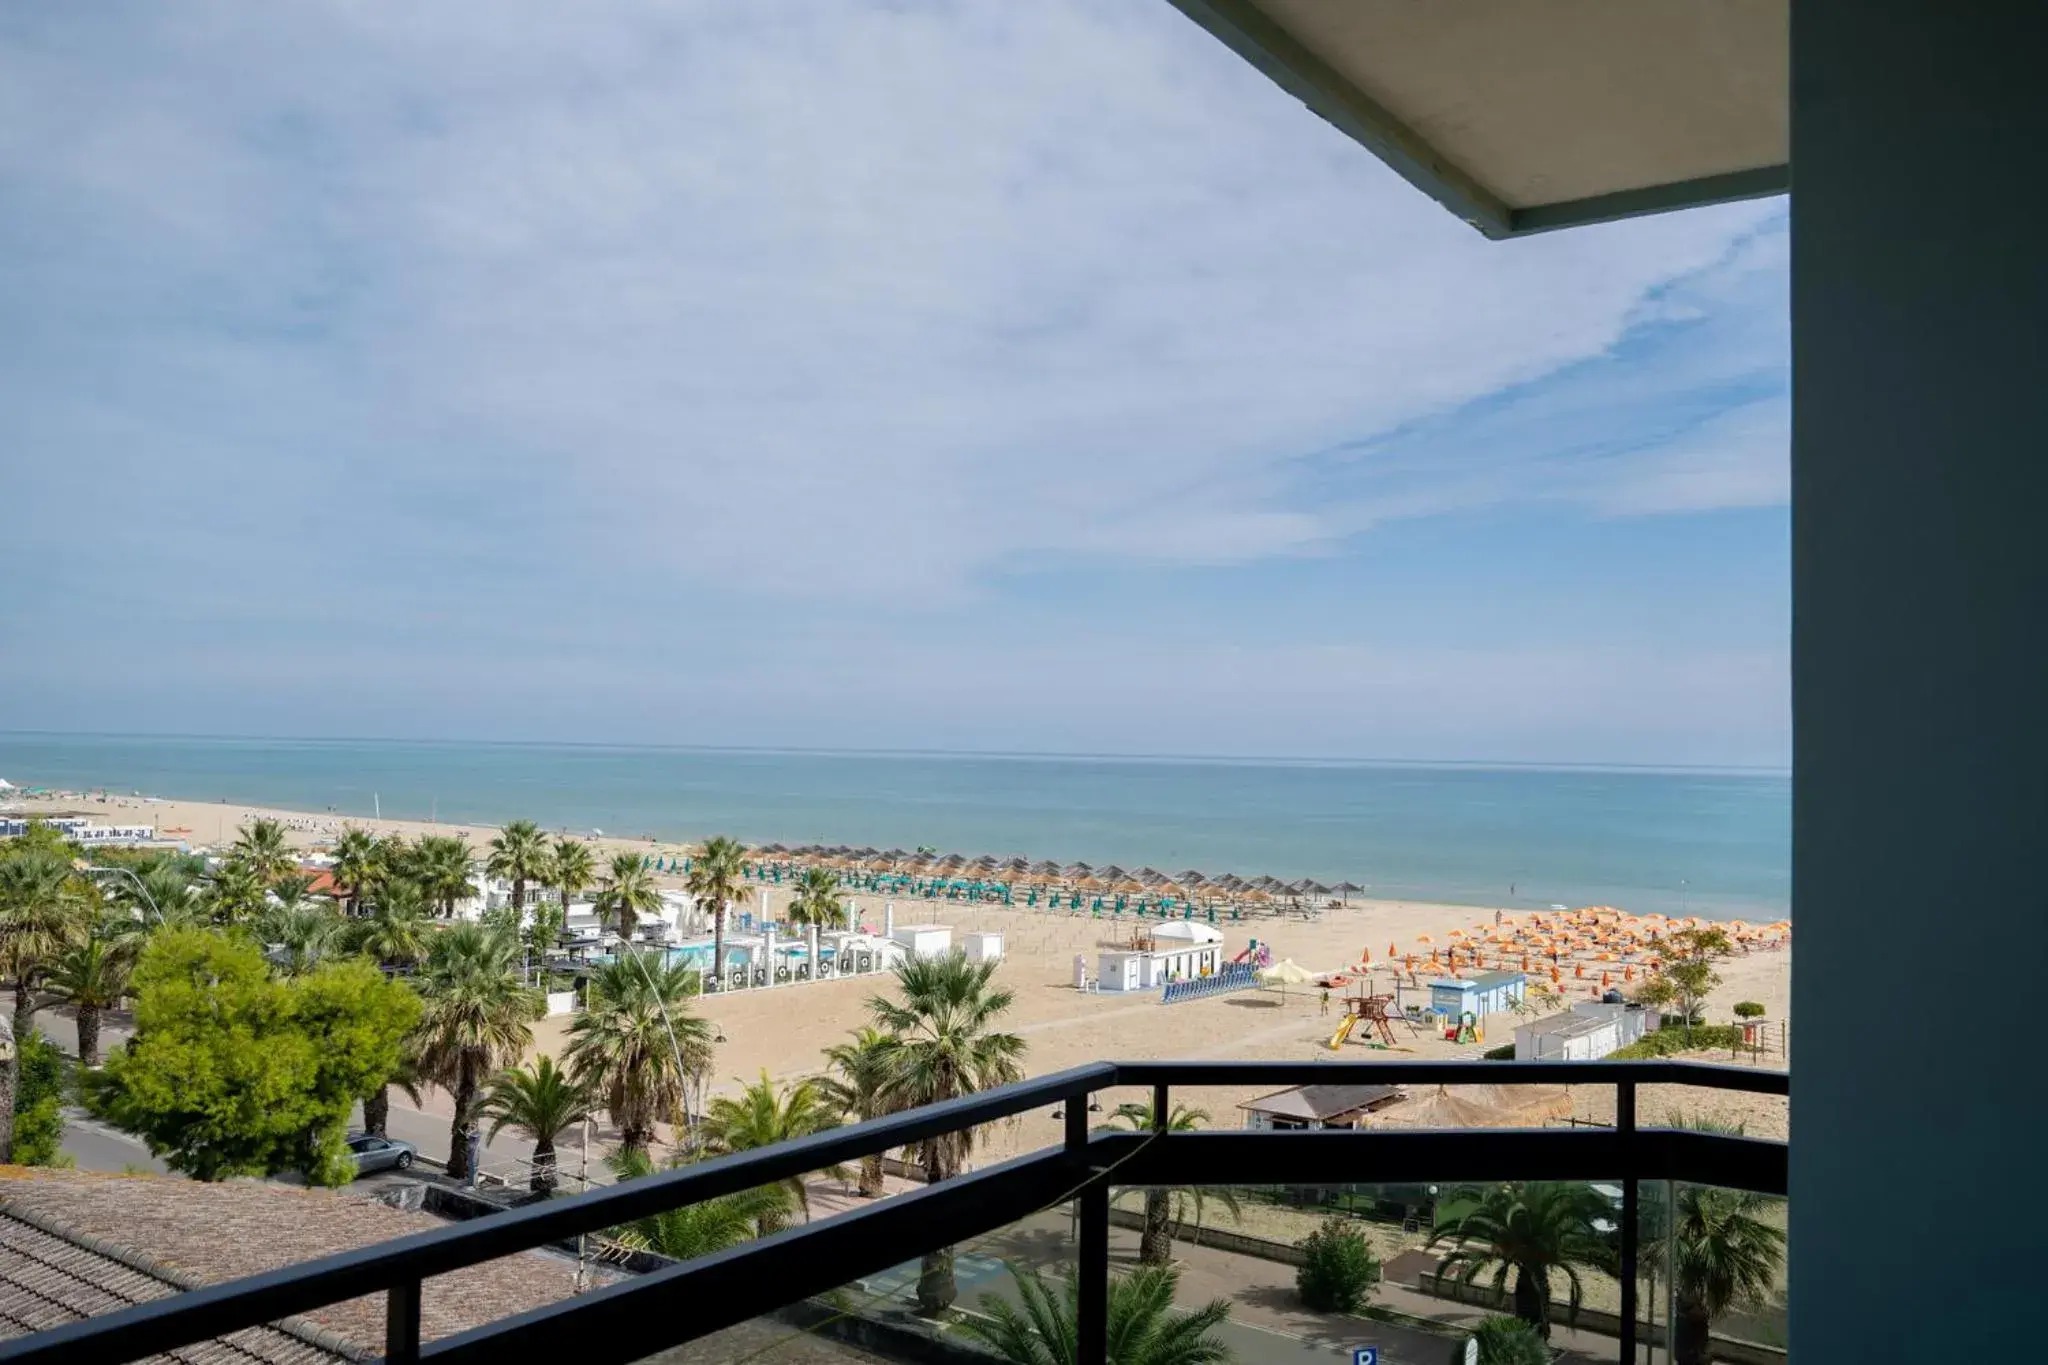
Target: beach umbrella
(1349,888)
(1286,972)
(1424,938)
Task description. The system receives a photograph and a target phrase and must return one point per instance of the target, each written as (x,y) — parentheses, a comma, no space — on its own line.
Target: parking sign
(1365,1355)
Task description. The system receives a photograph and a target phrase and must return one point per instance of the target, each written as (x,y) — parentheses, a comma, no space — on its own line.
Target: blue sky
(898,375)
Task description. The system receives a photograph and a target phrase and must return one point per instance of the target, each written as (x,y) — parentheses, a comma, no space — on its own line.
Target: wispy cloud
(385,319)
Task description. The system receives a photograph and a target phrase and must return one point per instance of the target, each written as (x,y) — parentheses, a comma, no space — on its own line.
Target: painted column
(1919,663)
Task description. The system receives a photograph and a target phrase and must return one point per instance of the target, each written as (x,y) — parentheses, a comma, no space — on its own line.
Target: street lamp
(93,870)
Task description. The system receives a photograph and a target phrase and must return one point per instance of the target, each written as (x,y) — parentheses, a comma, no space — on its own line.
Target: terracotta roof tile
(208,1233)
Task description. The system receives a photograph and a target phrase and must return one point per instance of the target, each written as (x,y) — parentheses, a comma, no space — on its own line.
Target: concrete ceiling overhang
(1522,116)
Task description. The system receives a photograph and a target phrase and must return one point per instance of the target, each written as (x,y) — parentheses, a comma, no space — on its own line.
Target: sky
(854,375)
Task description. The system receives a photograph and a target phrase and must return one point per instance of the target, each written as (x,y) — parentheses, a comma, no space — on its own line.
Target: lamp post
(149,900)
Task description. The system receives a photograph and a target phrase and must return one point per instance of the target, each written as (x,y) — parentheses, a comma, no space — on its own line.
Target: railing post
(1091,1317)
(1077,1123)
(1631,1213)
(402,1323)
(1160,1112)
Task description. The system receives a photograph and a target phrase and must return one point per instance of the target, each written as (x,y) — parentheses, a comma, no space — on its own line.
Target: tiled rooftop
(206,1233)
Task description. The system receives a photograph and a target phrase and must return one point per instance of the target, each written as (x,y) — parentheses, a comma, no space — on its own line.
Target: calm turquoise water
(1712,843)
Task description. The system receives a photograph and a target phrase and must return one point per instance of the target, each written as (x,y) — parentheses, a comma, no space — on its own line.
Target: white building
(923,940)
(1178,950)
(1584,1033)
(81,831)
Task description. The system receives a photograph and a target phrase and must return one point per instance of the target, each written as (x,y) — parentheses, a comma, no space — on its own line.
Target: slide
(1343,1031)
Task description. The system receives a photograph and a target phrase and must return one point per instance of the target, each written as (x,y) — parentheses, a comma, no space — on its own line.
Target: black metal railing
(616,1322)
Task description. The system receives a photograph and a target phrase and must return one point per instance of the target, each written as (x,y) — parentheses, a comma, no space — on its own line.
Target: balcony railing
(617,1322)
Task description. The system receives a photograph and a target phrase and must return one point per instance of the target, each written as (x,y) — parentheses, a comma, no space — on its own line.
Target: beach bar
(1478,996)
(1178,950)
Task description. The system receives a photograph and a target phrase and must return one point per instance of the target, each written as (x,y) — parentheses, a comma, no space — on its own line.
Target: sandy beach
(784,1029)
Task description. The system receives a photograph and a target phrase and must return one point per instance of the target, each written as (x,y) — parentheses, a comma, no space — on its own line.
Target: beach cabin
(982,947)
(1478,996)
(1585,1033)
(1318,1106)
(923,940)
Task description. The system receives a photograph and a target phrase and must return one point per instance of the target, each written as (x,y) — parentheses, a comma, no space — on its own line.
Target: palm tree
(236,893)
(478,1019)
(817,900)
(93,975)
(377,1104)
(573,868)
(1723,1254)
(858,1086)
(261,847)
(628,893)
(947,1047)
(290,891)
(44,905)
(395,932)
(1534,1228)
(701,1228)
(636,1045)
(308,933)
(356,864)
(714,879)
(765,1114)
(542,1102)
(166,895)
(1142,1326)
(444,871)
(520,855)
(396,860)
(1155,1242)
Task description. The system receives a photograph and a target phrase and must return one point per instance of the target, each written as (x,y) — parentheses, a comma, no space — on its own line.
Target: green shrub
(1667,1041)
(1510,1341)
(1504,1053)
(1339,1269)
(39,1102)
(1748,1009)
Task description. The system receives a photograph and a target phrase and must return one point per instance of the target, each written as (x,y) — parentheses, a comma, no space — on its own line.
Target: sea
(1709,843)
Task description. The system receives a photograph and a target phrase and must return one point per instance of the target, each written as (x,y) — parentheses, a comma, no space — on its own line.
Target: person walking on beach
(1326,1000)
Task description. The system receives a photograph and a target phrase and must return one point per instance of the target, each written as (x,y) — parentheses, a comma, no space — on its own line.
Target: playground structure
(1255,954)
(1371,1011)
(1467,1029)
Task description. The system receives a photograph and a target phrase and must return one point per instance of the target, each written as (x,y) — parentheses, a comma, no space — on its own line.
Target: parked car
(379,1154)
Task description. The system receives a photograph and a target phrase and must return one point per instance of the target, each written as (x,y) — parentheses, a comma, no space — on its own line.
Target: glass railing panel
(1712,1279)
(1321,1271)
(957,1303)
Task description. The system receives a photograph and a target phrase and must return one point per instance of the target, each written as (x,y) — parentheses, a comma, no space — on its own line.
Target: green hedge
(1666,1041)
(1504,1053)
(39,1095)
(1338,1269)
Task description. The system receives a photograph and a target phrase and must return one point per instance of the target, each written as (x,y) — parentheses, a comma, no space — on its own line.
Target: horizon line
(1018,755)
